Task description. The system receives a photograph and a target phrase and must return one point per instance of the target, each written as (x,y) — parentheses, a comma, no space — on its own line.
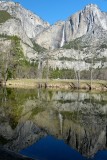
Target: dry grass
(57,83)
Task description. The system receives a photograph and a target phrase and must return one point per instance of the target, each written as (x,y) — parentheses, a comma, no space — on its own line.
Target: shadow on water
(76,121)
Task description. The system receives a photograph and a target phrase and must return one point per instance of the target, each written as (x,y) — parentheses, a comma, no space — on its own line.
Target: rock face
(77,60)
(23,24)
(88,22)
(13,27)
(31,23)
(79,24)
(52,37)
(86,28)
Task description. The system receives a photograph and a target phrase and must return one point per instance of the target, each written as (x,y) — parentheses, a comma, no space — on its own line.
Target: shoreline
(98,85)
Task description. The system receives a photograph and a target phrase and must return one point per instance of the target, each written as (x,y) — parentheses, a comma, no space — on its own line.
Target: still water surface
(49,148)
(54,125)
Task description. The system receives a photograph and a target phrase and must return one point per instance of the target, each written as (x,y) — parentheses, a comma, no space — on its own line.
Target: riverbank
(99,85)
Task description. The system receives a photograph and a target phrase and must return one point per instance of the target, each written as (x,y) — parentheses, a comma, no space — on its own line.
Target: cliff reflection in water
(79,118)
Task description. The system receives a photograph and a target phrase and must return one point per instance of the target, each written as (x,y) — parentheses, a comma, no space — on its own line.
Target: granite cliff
(79,43)
(82,23)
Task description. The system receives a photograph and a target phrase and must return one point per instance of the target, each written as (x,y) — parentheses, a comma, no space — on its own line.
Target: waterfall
(63,37)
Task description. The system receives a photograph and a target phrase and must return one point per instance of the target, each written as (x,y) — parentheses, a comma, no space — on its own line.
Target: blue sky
(54,10)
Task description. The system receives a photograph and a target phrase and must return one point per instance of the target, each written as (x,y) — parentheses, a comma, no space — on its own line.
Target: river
(54,124)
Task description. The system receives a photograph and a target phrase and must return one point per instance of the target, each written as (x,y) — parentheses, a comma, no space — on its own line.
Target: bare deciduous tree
(77,71)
